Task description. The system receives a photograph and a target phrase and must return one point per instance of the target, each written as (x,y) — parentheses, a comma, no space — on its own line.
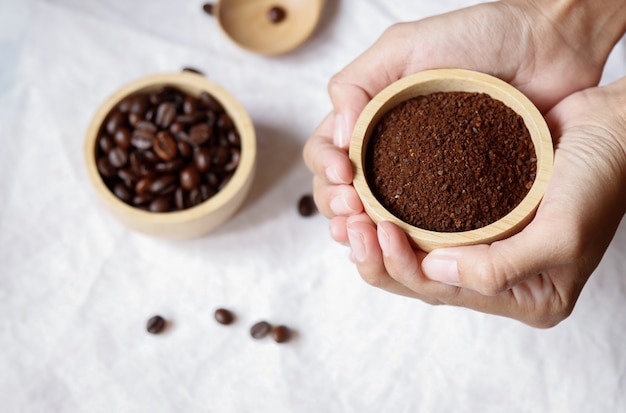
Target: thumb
(492,269)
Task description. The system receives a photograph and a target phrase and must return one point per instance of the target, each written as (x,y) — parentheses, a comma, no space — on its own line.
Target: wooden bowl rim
(454,80)
(190,83)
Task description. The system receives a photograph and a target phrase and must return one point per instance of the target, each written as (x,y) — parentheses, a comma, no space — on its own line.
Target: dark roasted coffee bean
(165,114)
(166,93)
(134,118)
(122,192)
(192,70)
(139,104)
(165,146)
(233,138)
(128,177)
(224,121)
(118,157)
(122,137)
(234,160)
(202,160)
(260,329)
(116,120)
(212,179)
(143,185)
(105,168)
(221,156)
(191,119)
(139,164)
(223,316)
(281,334)
(142,139)
(208,8)
(105,143)
(306,206)
(125,104)
(176,128)
(156,325)
(210,102)
(184,149)
(146,125)
(199,134)
(162,204)
(189,177)
(190,105)
(206,192)
(195,197)
(143,199)
(172,166)
(163,183)
(179,198)
(276,14)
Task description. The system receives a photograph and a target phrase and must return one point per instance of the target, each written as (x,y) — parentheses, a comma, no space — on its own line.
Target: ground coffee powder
(450,161)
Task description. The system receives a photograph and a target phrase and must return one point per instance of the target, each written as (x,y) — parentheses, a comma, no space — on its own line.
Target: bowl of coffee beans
(171,155)
(453,157)
(267,27)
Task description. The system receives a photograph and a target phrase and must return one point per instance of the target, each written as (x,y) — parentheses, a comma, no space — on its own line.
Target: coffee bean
(221,156)
(122,192)
(128,177)
(179,198)
(105,143)
(224,121)
(208,8)
(260,330)
(169,167)
(223,316)
(193,70)
(190,105)
(142,139)
(306,206)
(184,149)
(189,177)
(162,184)
(276,14)
(233,163)
(156,325)
(118,157)
(164,146)
(139,104)
(162,204)
(202,159)
(199,134)
(122,137)
(165,114)
(116,120)
(143,199)
(209,102)
(281,334)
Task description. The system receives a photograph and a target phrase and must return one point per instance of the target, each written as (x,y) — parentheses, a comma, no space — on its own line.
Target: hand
(546,57)
(537,275)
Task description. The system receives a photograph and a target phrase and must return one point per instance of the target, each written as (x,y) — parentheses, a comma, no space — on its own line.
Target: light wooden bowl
(246,23)
(204,217)
(450,80)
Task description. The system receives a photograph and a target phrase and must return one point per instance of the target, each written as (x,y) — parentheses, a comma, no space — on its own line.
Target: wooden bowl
(204,217)
(453,80)
(247,23)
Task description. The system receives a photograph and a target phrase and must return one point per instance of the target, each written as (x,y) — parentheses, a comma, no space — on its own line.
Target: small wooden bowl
(247,23)
(204,217)
(454,80)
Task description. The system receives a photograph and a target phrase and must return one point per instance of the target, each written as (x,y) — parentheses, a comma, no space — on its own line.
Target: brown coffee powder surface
(450,161)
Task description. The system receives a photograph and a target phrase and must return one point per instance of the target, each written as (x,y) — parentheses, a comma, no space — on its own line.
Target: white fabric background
(76,288)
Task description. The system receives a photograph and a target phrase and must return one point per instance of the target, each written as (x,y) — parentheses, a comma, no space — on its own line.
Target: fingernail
(442,268)
(333,176)
(383,240)
(340,133)
(339,205)
(357,245)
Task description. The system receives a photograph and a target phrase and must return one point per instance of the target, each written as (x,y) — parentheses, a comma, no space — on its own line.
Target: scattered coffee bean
(167,150)
(156,325)
(208,8)
(276,14)
(281,334)
(260,330)
(193,69)
(223,316)
(306,206)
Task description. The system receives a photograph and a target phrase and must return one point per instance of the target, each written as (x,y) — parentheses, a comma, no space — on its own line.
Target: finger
(338,230)
(334,200)
(366,253)
(324,159)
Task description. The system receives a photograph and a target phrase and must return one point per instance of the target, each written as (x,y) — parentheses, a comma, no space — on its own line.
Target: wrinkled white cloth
(76,287)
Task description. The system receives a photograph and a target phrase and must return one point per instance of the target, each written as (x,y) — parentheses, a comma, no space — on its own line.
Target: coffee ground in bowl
(450,161)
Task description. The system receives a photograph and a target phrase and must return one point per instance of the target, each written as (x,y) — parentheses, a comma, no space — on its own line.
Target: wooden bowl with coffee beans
(171,155)
(453,157)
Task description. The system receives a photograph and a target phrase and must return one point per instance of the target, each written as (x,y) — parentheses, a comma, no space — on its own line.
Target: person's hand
(546,51)
(536,275)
